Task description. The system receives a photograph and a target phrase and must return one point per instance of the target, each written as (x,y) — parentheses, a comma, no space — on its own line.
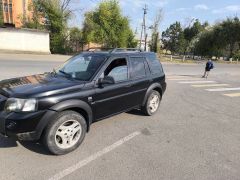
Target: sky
(173,10)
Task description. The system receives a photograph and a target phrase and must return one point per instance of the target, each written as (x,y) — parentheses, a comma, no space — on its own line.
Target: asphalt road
(195,134)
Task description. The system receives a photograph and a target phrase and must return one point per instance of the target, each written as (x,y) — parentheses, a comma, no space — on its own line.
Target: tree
(107,26)
(194,30)
(34,21)
(76,39)
(56,13)
(155,41)
(191,34)
(1,14)
(223,39)
(173,39)
(230,34)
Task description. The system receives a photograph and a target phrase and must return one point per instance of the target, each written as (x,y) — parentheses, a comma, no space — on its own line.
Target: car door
(113,98)
(140,76)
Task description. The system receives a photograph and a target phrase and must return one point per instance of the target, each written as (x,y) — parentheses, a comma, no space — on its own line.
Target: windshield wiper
(63,72)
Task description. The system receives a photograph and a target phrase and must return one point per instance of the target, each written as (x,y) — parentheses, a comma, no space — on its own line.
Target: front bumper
(23,126)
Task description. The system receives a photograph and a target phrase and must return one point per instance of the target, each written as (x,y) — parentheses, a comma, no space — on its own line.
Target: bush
(237,55)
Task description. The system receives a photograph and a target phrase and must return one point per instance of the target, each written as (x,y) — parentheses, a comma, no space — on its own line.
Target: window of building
(5,7)
(10,13)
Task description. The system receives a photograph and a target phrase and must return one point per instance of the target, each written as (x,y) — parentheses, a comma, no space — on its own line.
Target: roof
(116,51)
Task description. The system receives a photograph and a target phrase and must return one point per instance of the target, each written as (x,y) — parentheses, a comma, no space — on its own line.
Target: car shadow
(136,112)
(7,142)
(36,147)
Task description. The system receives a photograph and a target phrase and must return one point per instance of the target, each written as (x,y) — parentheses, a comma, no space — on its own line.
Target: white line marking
(182,77)
(178,79)
(223,89)
(175,76)
(196,82)
(210,85)
(233,95)
(93,157)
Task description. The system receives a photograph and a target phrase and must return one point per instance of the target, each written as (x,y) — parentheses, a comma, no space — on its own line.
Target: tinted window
(154,64)
(138,68)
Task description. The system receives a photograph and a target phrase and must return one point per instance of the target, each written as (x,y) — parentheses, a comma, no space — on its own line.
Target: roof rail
(126,50)
(97,49)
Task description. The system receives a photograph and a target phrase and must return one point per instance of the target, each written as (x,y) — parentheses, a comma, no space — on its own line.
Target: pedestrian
(208,68)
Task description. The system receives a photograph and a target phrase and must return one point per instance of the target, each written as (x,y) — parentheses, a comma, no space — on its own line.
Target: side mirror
(106,80)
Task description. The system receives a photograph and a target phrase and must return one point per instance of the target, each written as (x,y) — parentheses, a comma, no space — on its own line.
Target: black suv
(60,106)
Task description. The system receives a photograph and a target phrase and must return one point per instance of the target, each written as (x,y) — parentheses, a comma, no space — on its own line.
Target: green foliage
(76,41)
(56,22)
(221,40)
(173,38)
(237,55)
(182,41)
(107,26)
(206,45)
(192,31)
(1,14)
(33,22)
(155,41)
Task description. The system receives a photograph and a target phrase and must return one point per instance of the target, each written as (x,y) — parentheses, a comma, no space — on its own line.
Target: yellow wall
(18,7)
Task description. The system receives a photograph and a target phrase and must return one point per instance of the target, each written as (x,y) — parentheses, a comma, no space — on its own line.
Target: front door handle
(128,86)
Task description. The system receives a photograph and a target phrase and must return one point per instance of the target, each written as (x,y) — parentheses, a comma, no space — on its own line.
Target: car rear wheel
(152,104)
(65,133)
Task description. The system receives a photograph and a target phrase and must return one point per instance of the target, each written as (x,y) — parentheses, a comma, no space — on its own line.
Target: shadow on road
(36,147)
(7,143)
(32,146)
(136,112)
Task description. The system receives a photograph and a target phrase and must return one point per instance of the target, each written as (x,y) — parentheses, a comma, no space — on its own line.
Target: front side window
(138,67)
(82,67)
(118,69)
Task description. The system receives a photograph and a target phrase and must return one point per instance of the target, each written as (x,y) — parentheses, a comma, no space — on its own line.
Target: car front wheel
(65,133)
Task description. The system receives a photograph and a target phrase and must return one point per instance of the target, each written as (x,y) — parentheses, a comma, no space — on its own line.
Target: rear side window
(155,66)
(138,67)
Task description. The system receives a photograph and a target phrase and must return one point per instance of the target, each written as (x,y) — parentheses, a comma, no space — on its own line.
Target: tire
(148,109)
(65,133)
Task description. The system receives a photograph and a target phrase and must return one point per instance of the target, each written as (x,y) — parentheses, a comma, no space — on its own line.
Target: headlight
(21,105)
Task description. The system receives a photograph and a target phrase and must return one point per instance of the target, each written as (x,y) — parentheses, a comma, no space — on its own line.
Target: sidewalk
(33,57)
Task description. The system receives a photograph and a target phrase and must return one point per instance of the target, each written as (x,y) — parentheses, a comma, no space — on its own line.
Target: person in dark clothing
(208,68)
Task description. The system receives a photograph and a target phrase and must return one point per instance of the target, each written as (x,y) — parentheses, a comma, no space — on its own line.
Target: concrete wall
(22,40)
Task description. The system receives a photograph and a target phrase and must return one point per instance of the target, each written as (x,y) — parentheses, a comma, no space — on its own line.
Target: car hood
(38,86)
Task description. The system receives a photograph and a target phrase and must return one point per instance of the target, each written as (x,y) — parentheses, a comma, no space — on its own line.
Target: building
(14,11)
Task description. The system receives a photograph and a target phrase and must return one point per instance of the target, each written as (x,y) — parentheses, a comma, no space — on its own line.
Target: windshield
(81,67)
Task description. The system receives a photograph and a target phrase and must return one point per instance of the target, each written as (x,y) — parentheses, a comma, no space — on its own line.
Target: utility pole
(144,28)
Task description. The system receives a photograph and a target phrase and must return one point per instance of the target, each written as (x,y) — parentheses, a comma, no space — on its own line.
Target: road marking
(190,79)
(223,89)
(233,95)
(93,157)
(196,82)
(173,76)
(210,85)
